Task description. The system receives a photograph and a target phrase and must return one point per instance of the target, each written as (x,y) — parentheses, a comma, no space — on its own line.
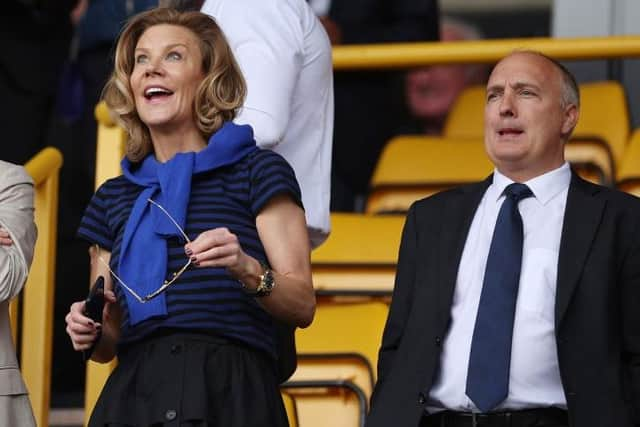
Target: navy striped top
(204,299)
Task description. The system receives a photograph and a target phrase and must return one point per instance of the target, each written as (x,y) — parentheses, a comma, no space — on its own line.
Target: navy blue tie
(488,373)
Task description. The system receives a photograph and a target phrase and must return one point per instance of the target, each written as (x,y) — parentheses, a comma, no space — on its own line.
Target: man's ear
(571,115)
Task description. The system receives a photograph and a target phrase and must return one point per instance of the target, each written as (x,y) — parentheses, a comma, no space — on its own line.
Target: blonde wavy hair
(218,98)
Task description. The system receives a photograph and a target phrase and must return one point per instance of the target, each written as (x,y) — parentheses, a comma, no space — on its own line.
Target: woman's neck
(168,144)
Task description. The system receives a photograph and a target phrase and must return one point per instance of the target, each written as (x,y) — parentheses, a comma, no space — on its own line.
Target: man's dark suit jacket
(597,309)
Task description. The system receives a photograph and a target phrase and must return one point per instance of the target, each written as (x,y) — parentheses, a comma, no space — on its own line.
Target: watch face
(267,280)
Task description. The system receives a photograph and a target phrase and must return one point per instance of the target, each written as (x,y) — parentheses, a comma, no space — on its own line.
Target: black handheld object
(94,304)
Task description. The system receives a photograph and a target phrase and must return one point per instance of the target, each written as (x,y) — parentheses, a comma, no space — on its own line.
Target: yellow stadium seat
(353,274)
(591,159)
(466,117)
(327,403)
(360,255)
(629,172)
(604,116)
(345,326)
(415,166)
(36,301)
(598,141)
(338,366)
(290,407)
(600,137)
(110,146)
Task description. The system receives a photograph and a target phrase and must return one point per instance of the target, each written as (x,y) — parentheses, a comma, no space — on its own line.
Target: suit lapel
(458,215)
(581,220)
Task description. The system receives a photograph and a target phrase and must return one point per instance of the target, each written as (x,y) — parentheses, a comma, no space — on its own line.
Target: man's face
(526,122)
(431,91)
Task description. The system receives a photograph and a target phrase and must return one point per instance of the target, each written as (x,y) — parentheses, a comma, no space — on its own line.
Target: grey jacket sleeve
(16,216)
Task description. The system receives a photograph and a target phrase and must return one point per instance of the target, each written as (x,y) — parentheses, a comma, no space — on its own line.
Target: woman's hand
(5,238)
(81,329)
(219,247)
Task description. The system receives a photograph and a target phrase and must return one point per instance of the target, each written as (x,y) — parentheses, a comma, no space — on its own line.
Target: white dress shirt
(534,377)
(285,56)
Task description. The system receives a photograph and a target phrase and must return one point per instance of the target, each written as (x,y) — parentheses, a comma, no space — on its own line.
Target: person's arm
(402,296)
(266,41)
(631,320)
(82,330)
(282,230)
(17,229)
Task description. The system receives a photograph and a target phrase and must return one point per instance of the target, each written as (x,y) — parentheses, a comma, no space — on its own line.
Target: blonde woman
(202,241)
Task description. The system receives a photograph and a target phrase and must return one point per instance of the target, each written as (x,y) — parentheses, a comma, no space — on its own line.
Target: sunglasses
(166,283)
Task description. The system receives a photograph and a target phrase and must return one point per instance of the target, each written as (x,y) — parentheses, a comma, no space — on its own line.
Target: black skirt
(186,379)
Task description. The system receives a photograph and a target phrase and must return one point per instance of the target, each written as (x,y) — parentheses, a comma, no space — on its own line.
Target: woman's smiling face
(165,78)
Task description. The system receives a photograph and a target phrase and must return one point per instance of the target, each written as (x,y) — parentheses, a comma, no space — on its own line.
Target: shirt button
(438,341)
(175,349)
(421,398)
(170,415)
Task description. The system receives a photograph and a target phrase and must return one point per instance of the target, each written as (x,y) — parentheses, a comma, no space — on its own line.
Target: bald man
(516,299)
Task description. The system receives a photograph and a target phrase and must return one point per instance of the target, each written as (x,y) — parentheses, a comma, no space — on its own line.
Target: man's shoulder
(613,196)
(440,199)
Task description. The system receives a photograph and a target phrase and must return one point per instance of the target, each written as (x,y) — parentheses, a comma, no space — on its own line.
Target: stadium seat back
(345,326)
(414,166)
(360,255)
(327,403)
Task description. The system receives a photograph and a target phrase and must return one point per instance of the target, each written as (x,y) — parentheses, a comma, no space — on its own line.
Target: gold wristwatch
(267,283)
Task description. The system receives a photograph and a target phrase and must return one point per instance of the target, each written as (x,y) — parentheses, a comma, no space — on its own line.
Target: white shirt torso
(285,57)
(534,379)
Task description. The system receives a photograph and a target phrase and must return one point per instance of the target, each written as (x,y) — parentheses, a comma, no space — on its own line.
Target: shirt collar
(544,187)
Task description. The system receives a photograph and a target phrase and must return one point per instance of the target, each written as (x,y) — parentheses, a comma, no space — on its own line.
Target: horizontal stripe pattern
(204,299)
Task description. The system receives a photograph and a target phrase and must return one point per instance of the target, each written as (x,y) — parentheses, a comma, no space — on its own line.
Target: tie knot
(518,191)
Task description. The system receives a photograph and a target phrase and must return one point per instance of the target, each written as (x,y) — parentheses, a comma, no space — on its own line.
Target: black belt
(541,417)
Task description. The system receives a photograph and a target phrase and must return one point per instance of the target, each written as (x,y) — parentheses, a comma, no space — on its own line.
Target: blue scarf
(143,257)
